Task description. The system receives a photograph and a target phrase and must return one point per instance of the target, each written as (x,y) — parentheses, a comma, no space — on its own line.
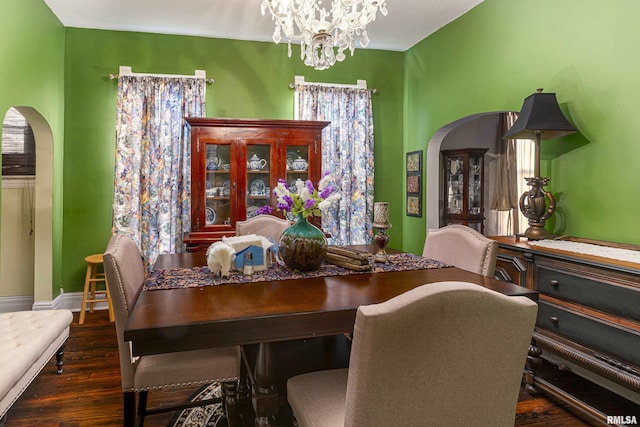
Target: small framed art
(414,183)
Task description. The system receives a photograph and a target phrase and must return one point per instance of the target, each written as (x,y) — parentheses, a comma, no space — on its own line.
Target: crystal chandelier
(320,31)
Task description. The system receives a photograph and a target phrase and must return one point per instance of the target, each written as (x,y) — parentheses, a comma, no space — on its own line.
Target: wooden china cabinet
(464,188)
(235,165)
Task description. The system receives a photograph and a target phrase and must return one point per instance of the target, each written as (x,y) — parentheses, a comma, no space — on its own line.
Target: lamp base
(537,233)
(537,205)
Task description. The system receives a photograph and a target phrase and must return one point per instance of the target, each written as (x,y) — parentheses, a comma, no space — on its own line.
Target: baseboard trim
(65,301)
(11,304)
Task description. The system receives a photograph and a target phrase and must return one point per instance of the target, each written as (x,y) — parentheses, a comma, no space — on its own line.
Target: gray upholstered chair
(263,225)
(462,247)
(468,351)
(125,275)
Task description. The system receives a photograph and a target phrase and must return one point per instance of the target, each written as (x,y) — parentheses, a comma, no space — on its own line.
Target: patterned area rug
(174,278)
(201,416)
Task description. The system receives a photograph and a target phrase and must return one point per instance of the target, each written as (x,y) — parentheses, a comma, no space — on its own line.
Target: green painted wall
(32,75)
(497,54)
(251,81)
(490,59)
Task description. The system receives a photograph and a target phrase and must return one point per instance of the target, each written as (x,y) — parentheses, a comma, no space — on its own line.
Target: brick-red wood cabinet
(235,165)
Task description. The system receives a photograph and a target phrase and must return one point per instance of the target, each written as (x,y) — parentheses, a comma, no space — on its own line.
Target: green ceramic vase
(302,246)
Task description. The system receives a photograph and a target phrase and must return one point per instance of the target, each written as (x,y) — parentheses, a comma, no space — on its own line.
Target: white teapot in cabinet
(299,164)
(256,163)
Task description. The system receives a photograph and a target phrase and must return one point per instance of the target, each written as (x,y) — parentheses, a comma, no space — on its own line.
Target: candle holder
(382,240)
(381,222)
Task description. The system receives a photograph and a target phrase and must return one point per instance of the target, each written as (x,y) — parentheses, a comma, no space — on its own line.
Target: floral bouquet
(303,198)
(302,245)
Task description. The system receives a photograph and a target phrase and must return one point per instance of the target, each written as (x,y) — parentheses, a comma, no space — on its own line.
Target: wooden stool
(92,295)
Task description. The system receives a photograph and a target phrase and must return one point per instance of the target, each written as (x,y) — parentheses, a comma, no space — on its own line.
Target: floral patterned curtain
(152,181)
(347,151)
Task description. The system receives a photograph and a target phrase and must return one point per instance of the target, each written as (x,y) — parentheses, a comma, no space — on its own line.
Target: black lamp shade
(540,115)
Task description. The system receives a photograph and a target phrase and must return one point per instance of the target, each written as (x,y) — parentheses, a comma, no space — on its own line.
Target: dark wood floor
(88,392)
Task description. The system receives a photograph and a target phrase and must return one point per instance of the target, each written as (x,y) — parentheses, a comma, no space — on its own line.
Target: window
(18,145)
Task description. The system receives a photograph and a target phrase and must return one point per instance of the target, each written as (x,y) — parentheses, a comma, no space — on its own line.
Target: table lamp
(381,222)
(540,118)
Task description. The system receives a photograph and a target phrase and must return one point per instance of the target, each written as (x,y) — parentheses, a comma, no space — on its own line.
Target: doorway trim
(43,205)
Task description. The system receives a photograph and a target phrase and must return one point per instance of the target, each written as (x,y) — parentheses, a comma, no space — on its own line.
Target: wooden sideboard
(588,317)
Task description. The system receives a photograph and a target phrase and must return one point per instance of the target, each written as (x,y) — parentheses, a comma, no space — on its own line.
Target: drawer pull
(553,319)
(553,283)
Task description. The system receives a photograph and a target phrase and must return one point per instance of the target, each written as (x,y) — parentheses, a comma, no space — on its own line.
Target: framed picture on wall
(414,183)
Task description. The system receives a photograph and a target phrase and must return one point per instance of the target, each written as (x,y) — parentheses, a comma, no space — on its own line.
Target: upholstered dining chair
(462,247)
(468,351)
(125,275)
(263,225)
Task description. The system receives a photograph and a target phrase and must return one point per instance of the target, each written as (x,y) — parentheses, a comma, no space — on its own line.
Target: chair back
(462,247)
(124,268)
(263,225)
(450,353)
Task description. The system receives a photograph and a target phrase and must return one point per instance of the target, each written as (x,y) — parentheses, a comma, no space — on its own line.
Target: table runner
(175,278)
(621,254)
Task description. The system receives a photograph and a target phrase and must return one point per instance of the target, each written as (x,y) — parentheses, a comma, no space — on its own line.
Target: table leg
(265,394)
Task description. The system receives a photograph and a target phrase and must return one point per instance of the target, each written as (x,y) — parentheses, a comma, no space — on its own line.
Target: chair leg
(142,407)
(129,401)
(92,304)
(87,284)
(230,396)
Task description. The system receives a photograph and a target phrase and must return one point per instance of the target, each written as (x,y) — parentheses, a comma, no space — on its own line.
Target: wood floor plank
(88,392)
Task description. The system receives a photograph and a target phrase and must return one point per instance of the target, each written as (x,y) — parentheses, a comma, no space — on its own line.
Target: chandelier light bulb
(320,31)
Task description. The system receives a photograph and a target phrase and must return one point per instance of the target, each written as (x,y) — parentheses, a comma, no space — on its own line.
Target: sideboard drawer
(615,298)
(607,337)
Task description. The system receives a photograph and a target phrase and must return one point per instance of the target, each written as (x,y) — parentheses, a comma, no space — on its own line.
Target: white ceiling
(408,21)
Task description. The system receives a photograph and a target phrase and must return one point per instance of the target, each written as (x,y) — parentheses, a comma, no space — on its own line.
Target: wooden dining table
(190,318)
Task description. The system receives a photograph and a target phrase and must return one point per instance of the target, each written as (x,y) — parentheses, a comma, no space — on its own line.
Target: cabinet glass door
(455,183)
(475,179)
(297,164)
(218,184)
(259,171)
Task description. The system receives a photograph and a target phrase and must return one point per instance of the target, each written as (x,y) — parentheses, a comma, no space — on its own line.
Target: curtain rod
(126,71)
(299,80)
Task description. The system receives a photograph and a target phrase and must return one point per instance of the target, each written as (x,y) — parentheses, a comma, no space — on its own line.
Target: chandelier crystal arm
(320,31)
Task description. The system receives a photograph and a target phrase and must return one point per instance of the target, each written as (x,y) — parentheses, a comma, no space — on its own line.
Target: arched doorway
(42,227)
(474,131)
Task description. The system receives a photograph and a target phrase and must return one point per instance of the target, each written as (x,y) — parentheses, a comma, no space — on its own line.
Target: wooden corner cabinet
(464,188)
(588,318)
(235,163)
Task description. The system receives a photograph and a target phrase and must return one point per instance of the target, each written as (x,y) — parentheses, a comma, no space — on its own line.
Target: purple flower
(309,185)
(325,173)
(327,191)
(287,203)
(308,204)
(282,181)
(266,209)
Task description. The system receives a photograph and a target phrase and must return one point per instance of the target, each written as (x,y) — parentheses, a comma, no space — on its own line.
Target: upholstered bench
(28,340)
